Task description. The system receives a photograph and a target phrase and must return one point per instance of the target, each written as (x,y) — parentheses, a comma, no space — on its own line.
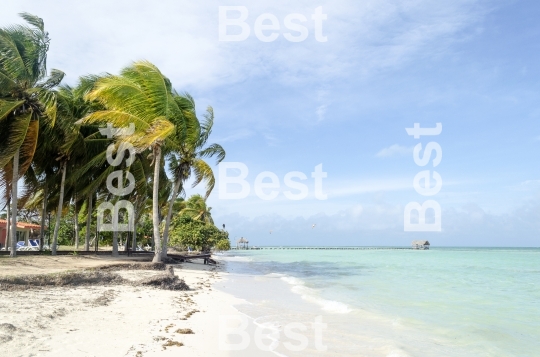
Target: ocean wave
(275,275)
(308,294)
(292,280)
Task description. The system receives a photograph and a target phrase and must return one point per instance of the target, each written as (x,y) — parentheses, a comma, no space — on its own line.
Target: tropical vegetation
(65,143)
(194,228)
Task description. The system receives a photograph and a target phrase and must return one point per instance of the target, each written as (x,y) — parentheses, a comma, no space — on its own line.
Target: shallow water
(392,303)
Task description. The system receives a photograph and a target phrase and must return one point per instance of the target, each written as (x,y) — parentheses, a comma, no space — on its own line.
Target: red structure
(25,231)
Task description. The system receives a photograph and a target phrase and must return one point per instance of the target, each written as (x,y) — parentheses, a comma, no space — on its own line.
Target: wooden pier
(329,248)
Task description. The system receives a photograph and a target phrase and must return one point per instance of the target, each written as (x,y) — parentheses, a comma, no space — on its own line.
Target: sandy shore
(117,320)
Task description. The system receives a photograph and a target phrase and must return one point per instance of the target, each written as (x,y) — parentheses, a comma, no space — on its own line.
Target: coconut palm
(189,152)
(25,99)
(142,96)
(66,142)
(197,209)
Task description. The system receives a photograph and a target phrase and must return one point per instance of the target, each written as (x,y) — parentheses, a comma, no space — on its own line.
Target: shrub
(187,232)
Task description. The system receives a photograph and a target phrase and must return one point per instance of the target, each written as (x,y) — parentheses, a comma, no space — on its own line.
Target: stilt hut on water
(420,244)
(242,243)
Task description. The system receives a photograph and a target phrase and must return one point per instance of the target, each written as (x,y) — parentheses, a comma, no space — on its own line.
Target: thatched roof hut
(420,244)
(242,241)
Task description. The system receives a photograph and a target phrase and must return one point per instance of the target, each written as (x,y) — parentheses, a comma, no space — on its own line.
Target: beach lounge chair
(21,246)
(33,244)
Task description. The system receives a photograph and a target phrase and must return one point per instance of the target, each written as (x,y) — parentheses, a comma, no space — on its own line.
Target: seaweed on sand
(102,276)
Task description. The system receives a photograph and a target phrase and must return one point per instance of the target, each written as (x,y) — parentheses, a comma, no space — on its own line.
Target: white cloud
(321,112)
(345,189)
(237,135)
(382,224)
(181,37)
(527,186)
(395,150)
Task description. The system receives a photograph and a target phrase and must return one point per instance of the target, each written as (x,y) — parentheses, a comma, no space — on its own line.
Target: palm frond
(203,172)
(33,20)
(53,80)
(8,107)
(214,150)
(12,134)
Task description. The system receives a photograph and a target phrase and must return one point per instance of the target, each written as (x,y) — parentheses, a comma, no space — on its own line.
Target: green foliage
(223,244)
(25,89)
(197,209)
(187,232)
(54,129)
(66,233)
(145,230)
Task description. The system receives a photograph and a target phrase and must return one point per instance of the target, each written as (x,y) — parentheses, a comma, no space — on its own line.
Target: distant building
(25,231)
(420,244)
(242,243)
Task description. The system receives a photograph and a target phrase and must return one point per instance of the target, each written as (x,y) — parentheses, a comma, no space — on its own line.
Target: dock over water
(327,248)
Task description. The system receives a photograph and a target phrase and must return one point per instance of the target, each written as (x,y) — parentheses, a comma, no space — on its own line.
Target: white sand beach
(118,320)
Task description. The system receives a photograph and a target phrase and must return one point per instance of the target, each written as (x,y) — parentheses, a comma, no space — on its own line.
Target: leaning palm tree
(25,98)
(188,154)
(90,172)
(141,95)
(68,147)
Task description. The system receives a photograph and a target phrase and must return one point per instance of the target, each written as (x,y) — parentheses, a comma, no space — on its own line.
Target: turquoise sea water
(393,303)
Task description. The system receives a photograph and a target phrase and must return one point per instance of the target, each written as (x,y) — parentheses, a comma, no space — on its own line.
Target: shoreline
(115,320)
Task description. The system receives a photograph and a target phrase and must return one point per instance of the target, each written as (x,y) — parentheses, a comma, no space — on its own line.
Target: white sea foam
(308,294)
(275,275)
(292,280)
(335,307)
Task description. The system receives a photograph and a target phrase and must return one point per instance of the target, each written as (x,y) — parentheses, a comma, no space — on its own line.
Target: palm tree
(197,209)
(25,98)
(141,95)
(188,154)
(69,147)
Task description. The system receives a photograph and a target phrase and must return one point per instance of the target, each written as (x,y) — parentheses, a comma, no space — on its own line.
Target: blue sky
(471,65)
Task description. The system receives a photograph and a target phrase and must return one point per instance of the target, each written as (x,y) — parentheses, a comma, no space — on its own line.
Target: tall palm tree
(69,146)
(25,98)
(141,95)
(188,154)
(89,174)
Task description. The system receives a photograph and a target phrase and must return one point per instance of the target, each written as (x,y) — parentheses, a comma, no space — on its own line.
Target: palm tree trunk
(126,242)
(8,224)
(76,225)
(59,210)
(115,243)
(169,215)
(134,233)
(155,204)
(14,192)
(43,214)
(88,224)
